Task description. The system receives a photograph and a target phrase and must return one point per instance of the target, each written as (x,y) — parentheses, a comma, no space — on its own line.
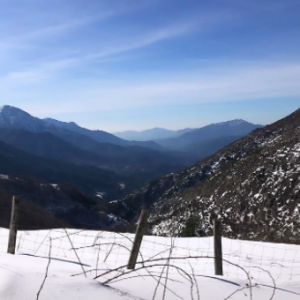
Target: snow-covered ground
(21,275)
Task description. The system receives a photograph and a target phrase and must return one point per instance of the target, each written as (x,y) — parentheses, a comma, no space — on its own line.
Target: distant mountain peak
(232,122)
(6,107)
(11,109)
(16,118)
(237,121)
(57,122)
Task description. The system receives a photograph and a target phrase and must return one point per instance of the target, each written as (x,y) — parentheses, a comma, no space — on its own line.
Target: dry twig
(47,269)
(75,252)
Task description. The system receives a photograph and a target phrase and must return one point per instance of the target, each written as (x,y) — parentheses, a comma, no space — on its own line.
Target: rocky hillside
(45,205)
(89,179)
(252,185)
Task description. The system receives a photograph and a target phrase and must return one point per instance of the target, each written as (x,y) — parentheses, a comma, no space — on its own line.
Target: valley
(81,176)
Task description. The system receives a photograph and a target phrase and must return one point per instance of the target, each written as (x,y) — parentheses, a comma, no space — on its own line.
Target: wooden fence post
(13,226)
(218,247)
(141,228)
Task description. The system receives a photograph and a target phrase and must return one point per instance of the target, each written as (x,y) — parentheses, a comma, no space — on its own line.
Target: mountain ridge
(152,134)
(15,118)
(100,135)
(37,137)
(236,127)
(249,185)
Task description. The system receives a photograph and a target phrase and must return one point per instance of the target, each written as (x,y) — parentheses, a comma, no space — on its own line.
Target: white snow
(100,195)
(55,185)
(21,275)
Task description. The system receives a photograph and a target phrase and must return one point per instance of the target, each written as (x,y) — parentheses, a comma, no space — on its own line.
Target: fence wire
(99,250)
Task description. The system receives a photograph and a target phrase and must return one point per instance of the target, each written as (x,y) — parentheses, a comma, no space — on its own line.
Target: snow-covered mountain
(253,185)
(15,118)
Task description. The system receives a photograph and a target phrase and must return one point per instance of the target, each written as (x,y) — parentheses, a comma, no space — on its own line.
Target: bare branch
(196,282)
(272,278)
(47,269)
(75,252)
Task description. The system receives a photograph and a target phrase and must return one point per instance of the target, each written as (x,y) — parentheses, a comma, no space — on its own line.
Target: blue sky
(125,64)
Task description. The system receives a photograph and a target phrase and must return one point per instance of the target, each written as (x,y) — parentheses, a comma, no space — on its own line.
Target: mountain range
(198,142)
(71,143)
(15,118)
(71,174)
(99,135)
(189,139)
(151,134)
(92,165)
(251,185)
(88,178)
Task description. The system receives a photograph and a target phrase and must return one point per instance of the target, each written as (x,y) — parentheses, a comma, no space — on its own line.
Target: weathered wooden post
(13,226)
(218,247)
(141,228)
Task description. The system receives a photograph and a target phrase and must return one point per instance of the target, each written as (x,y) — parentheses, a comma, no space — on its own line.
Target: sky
(120,65)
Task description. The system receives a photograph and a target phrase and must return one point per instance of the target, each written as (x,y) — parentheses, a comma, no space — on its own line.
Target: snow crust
(21,275)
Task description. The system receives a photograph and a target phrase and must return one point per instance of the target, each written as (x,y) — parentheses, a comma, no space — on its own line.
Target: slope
(70,143)
(213,131)
(205,148)
(15,118)
(47,145)
(252,185)
(45,205)
(90,179)
(150,134)
(101,136)
(144,164)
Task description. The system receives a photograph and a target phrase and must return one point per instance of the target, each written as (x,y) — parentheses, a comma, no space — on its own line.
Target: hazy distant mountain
(146,135)
(47,145)
(97,135)
(70,143)
(125,160)
(151,134)
(101,136)
(15,118)
(213,131)
(205,148)
(183,131)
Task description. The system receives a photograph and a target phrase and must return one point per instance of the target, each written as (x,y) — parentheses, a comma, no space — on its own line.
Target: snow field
(21,275)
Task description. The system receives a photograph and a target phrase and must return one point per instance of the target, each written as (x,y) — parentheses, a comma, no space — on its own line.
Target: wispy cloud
(146,39)
(200,23)
(73,64)
(46,69)
(62,28)
(110,48)
(226,84)
(30,38)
